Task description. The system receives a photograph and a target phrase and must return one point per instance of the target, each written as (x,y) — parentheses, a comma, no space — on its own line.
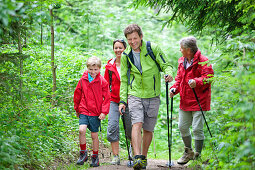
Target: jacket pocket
(154,84)
(132,82)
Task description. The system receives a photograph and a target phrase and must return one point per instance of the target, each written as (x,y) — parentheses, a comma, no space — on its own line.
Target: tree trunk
(20,64)
(41,26)
(53,67)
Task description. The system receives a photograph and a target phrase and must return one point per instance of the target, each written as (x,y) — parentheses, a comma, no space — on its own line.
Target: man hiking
(140,89)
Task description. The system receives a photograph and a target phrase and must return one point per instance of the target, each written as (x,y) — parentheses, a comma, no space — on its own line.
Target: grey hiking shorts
(113,123)
(144,110)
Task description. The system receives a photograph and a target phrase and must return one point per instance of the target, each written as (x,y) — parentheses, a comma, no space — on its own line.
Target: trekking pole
(101,139)
(170,163)
(124,125)
(201,109)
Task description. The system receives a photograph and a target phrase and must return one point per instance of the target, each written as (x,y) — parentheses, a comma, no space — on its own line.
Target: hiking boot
(94,161)
(197,156)
(83,157)
(140,162)
(115,160)
(187,156)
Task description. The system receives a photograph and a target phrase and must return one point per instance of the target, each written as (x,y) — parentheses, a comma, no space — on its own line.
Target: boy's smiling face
(93,71)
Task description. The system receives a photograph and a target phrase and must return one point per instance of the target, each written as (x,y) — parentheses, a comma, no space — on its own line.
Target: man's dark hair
(133,28)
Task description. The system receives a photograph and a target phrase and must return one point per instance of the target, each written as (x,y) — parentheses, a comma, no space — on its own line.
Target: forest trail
(153,164)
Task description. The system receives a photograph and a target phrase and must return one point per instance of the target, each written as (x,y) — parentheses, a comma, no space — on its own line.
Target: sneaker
(94,161)
(115,160)
(144,163)
(187,156)
(130,163)
(140,162)
(83,157)
(197,156)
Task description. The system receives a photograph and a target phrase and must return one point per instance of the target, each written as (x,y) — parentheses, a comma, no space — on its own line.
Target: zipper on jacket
(132,82)
(154,79)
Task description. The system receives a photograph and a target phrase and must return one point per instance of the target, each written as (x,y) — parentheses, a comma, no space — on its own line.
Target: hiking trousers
(194,119)
(113,123)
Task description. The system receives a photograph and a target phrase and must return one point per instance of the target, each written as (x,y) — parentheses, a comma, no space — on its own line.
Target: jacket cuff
(122,102)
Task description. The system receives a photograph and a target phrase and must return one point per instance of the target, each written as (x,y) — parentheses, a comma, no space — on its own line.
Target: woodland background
(43,50)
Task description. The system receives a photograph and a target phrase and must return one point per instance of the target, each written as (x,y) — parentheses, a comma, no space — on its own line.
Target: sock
(199,145)
(95,153)
(83,147)
(187,141)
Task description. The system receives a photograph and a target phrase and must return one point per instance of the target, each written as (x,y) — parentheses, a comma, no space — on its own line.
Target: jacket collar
(195,59)
(85,76)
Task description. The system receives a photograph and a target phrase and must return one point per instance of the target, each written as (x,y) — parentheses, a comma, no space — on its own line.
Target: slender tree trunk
(21,63)
(41,26)
(41,33)
(53,67)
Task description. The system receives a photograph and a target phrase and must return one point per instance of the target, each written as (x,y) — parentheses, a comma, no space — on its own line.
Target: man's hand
(172,91)
(168,78)
(192,83)
(122,106)
(101,116)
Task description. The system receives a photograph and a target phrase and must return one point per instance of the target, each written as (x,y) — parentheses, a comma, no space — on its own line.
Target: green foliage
(220,17)
(33,135)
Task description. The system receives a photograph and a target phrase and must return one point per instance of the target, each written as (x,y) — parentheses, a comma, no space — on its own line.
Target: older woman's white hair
(189,42)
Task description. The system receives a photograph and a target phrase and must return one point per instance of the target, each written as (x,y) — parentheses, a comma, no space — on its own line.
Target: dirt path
(153,164)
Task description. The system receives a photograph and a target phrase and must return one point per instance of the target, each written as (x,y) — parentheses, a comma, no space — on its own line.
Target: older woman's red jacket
(200,71)
(92,98)
(115,84)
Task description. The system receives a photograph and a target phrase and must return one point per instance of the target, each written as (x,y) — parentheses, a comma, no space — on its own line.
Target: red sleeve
(106,98)
(77,96)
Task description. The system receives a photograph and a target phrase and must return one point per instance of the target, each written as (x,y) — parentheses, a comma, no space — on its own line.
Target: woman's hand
(101,116)
(172,91)
(192,83)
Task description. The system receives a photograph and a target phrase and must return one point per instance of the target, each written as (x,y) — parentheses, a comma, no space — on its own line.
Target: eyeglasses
(118,40)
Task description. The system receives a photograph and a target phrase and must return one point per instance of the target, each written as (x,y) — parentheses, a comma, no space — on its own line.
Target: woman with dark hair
(112,75)
(193,72)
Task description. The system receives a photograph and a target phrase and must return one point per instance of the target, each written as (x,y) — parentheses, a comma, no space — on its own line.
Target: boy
(91,103)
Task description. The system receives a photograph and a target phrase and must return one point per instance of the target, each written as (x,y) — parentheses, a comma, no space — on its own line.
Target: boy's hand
(77,114)
(101,116)
(122,106)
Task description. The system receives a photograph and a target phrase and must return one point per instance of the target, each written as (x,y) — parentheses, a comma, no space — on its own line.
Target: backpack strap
(110,80)
(151,54)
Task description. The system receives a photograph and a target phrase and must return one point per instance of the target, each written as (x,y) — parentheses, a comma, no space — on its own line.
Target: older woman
(193,72)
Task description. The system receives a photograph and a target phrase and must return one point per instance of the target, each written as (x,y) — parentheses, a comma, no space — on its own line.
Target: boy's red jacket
(111,66)
(200,72)
(92,98)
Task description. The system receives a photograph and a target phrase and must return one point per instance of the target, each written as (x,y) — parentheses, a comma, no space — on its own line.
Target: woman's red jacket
(200,71)
(115,84)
